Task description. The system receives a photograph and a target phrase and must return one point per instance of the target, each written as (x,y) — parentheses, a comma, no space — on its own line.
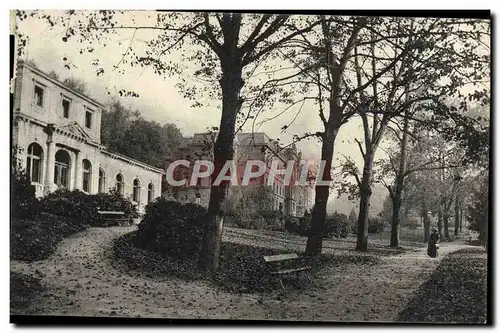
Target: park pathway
(81,282)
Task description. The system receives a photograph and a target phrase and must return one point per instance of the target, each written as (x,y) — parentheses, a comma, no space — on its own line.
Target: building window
(151,192)
(88,119)
(102,180)
(39,90)
(34,162)
(136,195)
(87,175)
(119,183)
(61,169)
(66,103)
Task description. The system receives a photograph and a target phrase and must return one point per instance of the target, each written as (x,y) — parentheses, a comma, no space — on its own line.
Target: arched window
(136,196)
(102,180)
(151,192)
(34,162)
(119,183)
(87,175)
(61,169)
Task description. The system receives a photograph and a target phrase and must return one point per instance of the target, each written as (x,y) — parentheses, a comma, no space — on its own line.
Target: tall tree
(326,58)
(76,84)
(478,208)
(225,48)
(125,131)
(416,89)
(415,179)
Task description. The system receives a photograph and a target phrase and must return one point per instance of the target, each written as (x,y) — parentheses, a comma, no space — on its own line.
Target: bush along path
(82,281)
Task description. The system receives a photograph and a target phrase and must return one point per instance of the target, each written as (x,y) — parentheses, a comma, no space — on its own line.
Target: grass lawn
(242,268)
(455,293)
(99,272)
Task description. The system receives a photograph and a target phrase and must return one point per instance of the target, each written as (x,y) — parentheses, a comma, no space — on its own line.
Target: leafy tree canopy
(127,132)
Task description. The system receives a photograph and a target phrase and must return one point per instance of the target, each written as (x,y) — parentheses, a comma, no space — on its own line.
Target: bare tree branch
(360,147)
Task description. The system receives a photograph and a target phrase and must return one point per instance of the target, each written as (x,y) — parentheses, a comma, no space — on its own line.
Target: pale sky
(159,98)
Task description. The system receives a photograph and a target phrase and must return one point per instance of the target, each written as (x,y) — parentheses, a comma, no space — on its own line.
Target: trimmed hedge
(36,238)
(171,228)
(38,226)
(81,206)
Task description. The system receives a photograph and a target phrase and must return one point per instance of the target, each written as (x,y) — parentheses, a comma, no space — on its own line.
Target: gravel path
(81,282)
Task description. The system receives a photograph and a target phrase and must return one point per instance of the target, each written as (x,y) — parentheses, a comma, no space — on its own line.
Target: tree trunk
(461,216)
(446,232)
(396,208)
(457,217)
(427,227)
(440,224)
(231,84)
(484,225)
(399,182)
(318,216)
(364,203)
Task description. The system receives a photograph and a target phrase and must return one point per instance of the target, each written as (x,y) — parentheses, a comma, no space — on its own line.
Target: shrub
(477,210)
(256,221)
(79,205)
(71,204)
(114,201)
(304,224)
(23,200)
(36,238)
(336,225)
(250,208)
(375,225)
(292,224)
(172,228)
(412,226)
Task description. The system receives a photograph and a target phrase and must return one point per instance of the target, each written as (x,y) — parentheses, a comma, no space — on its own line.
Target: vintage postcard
(250,166)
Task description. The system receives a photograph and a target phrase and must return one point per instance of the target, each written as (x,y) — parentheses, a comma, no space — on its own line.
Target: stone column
(50,159)
(94,177)
(77,178)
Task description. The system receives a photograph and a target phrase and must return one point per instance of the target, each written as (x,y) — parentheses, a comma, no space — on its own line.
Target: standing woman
(432,247)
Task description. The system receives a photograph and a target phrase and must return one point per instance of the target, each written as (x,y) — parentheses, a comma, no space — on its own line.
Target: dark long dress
(431,248)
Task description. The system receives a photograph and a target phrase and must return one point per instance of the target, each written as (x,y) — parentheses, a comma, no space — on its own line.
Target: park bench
(285,264)
(111,218)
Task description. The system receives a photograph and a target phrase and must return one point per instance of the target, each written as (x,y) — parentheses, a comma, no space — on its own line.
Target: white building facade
(58,132)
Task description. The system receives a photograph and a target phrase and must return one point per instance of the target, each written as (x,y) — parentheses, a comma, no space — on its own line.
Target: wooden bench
(111,218)
(276,265)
